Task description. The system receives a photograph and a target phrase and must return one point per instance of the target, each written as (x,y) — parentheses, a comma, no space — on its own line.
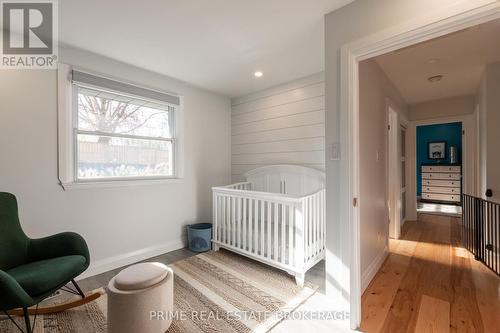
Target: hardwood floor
(429,283)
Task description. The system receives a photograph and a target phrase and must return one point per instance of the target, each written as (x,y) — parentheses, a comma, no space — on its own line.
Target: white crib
(277,217)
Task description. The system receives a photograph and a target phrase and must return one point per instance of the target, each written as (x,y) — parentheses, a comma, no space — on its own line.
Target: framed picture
(437,150)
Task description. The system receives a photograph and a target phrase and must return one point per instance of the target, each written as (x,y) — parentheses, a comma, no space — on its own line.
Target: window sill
(117,183)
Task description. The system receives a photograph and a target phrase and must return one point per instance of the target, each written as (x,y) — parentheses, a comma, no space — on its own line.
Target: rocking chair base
(59,307)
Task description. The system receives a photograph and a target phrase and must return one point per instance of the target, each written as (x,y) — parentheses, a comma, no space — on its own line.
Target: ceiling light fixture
(435,78)
(258,74)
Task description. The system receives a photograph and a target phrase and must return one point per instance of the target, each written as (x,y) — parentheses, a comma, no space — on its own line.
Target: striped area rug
(213,292)
(234,293)
(89,318)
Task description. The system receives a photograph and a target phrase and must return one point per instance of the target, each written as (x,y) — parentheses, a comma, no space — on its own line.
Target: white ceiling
(460,56)
(215,44)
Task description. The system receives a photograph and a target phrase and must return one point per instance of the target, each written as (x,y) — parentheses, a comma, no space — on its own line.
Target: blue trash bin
(199,237)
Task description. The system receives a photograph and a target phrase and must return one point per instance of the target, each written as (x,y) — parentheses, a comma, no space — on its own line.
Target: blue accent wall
(451,133)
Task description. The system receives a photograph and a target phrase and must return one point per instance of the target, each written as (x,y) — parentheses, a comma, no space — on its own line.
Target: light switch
(335,151)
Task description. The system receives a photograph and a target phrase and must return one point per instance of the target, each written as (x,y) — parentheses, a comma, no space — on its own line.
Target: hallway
(429,283)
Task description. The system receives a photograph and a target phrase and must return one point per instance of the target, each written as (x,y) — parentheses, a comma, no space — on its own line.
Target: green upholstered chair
(32,269)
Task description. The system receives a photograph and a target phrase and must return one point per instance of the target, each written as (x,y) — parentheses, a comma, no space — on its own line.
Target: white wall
(374,91)
(448,107)
(281,125)
(489,134)
(119,224)
(353,22)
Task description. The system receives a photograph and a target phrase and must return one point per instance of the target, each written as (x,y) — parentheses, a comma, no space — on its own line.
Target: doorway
(439,171)
(351,55)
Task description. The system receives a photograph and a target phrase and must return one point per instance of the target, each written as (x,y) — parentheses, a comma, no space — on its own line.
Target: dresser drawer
(442,190)
(442,176)
(438,182)
(441,168)
(441,197)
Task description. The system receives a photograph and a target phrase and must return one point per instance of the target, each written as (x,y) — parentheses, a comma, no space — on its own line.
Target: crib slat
(283,236)
(299,235)
(306,228)
(319,223)
(312,228)
(238,221)
(219,208)
(245,224)
(233,221)
(318,216)
(228,219)
(261,240)
(323,222)
(215,217)
(275,221)
(268,224)
(250,224)
(223,213)
(316,224)
(321,239)
(309,233)
(256,227)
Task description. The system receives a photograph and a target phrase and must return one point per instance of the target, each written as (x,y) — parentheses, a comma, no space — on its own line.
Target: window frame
(68,132)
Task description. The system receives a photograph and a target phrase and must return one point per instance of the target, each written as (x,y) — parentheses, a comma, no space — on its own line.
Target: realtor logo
(29,34)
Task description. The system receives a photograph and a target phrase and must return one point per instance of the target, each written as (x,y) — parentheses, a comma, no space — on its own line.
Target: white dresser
(442,183)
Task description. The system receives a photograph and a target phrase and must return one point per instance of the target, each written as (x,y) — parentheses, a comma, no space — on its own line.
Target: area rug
(87,318)
(213,292)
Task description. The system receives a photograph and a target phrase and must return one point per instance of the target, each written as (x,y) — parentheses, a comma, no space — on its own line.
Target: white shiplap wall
(281,125)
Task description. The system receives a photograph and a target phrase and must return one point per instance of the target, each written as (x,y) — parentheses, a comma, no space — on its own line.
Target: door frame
(469,153)
(393,168)
(454,18)
(393,171)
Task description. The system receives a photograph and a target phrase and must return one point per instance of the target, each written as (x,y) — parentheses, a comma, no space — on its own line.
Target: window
(119,132)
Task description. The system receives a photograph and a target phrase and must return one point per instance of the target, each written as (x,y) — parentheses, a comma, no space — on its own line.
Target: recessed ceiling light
(435,78)
(258,74)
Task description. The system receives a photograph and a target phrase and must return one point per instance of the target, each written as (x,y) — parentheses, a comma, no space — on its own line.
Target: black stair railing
(481,230)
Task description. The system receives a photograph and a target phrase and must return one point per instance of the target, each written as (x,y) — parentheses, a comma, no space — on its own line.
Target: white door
(394,174)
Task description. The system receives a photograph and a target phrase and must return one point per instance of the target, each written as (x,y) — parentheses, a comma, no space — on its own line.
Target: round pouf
(141,299)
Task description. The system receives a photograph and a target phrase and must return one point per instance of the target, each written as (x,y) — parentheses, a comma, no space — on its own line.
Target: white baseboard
(373,268)
(107,264)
